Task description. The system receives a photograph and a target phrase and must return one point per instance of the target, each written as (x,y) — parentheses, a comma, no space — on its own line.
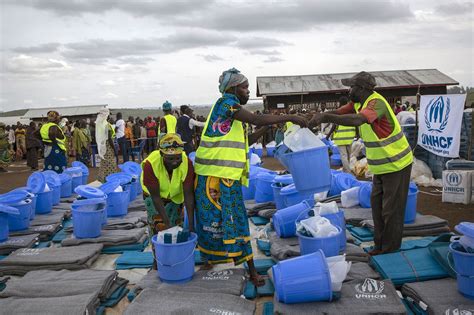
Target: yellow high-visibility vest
(169,189)
(387,155)
(44,132)
(113,131)
(344,135)
(224,156)
(171,122)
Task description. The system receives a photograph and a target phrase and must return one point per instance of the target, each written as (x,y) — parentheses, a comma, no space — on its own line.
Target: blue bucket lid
(123,178)
(14,196)
(266,176)
(52,178)
(73,170)
(109,187)
(286,179)
(132,168)
(64,177)
(89,191)
(22,188)
(465,228)
(287,190)
(36,182)
(8,210)
(84,168)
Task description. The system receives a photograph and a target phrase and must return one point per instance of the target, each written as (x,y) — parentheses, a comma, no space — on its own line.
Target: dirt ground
(429,198)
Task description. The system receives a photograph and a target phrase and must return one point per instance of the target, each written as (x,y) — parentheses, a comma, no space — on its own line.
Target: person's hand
(316,120)
(298,120)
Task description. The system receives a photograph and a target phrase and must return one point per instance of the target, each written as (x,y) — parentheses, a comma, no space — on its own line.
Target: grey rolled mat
(132,220)
(267,213)
(363,296)
(24,260)
(109,238)
(71,305)
(253,208)
(55,216)
(283,248)
(16,242)
(173,302)
(46,232)
(354,216)
(227,281)
(438,297)
(356,253)
(424,225)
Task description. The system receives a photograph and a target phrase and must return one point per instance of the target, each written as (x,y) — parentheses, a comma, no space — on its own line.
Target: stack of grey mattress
(25,260)
(424,225)
(46,225)
(283,248)
(16,242)
(110,238)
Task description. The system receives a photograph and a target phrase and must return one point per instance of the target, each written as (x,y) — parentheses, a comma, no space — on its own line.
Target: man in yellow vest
(168,121)
(54,142)
(389,156)
(343,136)
(168,185)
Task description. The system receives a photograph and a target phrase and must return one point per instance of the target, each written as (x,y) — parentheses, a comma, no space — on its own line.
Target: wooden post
(418,97)
(469,151)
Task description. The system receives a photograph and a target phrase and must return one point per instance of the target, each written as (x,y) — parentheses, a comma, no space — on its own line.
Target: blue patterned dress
(221,217)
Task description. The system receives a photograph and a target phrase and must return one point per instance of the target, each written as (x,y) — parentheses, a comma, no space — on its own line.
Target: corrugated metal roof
(14,113)
(304,84)
(79,110)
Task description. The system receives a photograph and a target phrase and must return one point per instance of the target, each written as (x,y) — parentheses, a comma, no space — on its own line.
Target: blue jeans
(123,147)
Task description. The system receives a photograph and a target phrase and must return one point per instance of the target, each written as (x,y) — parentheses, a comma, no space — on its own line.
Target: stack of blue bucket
(135,170)
(89,212)
(462,252)
(263,187)
(84,169)
(76,176)
(117,201)
(20,219)
(5,212)
(410,210)
(128,183)
(250,191)
(280,182)
(54,183)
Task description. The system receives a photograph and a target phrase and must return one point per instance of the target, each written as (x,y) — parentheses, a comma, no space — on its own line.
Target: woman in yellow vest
(168,121)
(54,141)
(168,185)
(389,157)
(104,137)
(222,167)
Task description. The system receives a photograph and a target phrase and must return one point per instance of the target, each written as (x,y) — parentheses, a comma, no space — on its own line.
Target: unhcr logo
(370,289)
(218,275)
(457,311)
(454,179)
(437,114)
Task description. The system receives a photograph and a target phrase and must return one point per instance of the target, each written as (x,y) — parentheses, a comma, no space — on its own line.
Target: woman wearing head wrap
(81,142)
(5,155)
(104,136)
(222,167)
(54,141)
(168,185)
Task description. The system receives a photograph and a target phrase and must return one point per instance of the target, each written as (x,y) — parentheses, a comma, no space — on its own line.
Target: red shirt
(150,180)
(377,116)
(150,129)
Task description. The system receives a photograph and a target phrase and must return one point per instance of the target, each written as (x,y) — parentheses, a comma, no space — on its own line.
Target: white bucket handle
(178,263)
(448,255)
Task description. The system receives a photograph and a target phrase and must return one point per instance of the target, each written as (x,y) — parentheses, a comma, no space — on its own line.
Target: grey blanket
(355,215)
(283,248)
(360,270)
(253,208)
(424,225)
(438,296)
(349,237)
(109,238)
(16,242)
(363,296)
(55,216)
(227,281)
(137,205)
(24,260)
(174,302)
(45,232)
(356,253)
(267,213)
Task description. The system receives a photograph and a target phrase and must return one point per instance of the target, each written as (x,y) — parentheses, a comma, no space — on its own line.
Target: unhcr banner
(440,120)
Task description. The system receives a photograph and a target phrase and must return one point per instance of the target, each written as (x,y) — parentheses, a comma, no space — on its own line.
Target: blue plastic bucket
(364,194)
(284,219)
(270,151)
(129,188)
(21,221)
(66,185)
(263,187)
(302,279)
(56,196)
(281,154)
(277,197)
(466,286)
(44,202)
(341,182)
(291,196)
(175,262)
(3,226)
(410,210)
(76,175)
(85,171)
(463,263)
(29,195)
(248,193)
(117,203)
(86,223)
(336,160)
(92,204)
(258,152)
(316,178)
(335,150)
(330,245)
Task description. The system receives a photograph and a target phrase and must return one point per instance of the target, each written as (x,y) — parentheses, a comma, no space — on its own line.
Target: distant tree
(460,89)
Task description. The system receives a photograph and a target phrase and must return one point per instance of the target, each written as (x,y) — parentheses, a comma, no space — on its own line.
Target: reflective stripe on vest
(344,135)
(44,132)
(172,190)
(224,156)
(386,155)
(113,131)
(171,122)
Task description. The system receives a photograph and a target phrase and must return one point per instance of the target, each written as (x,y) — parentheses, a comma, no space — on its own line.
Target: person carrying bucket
(54,140)
(168,183)
(222,166)
(343,136)
(389,156)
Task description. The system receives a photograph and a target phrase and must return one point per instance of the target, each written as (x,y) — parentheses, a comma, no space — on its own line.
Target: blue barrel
(66,185)
(292,196)
(175,262)
(284,219)
(87,222)
(76,175)
(263,187)
(21,221)
(315,178)
(410,210)
(302,279)
(44,203)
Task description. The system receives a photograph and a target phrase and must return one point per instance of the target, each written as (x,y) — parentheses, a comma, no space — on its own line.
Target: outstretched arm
(244,115)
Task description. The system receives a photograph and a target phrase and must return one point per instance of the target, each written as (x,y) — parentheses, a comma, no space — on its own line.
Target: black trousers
(388,199)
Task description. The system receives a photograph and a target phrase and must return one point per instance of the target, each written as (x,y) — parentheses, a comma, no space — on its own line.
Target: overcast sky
(140,53)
